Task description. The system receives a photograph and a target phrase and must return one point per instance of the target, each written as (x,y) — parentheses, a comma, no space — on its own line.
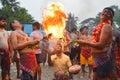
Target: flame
(54,20)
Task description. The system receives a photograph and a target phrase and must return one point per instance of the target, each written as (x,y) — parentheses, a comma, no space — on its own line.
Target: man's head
(107,14)
(36,25)
(15,25)
(74,30)
(2,21)
(58,48)
(84,30)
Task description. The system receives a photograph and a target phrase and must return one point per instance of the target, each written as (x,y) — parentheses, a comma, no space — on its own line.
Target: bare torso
(20,39)
(104,50)
(105,38)
(3,40)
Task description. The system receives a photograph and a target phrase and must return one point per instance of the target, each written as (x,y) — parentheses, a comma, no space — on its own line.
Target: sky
(80,8)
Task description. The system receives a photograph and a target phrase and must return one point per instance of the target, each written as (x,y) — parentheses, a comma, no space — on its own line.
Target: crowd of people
(100,50)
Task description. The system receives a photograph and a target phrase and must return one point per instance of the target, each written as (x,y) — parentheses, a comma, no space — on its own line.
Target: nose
(105,13)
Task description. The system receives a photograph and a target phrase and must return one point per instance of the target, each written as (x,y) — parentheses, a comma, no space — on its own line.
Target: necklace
(3,34)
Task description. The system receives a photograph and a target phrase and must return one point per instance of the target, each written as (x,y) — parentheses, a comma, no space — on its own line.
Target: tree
(12,11)
(12,3)
(92,22)
(71,22)
(116,19)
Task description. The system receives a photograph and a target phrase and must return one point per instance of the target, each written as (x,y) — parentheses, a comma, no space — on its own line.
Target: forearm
(10,48)
(11,51)
(94,45)
(21,46)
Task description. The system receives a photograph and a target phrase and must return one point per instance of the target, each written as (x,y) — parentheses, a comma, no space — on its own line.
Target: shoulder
(53,56)
(6,32)
(13,33)
(107,28)
(33,32)
(65,56)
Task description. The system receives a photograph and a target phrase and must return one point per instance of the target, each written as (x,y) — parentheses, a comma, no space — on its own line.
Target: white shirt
(73,36)
(36,35)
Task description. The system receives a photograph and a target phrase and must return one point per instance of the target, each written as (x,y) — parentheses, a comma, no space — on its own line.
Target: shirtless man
(5,49)
(85,55)
(24,46)
(101,40)
(16,56)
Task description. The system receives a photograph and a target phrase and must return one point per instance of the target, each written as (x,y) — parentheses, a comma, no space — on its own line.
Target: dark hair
(110,9)
(112,12)
(2,18)
(45,37)
(49,35)
(82,28)
(58,43)
(37,24)
(11,25)
(73,29)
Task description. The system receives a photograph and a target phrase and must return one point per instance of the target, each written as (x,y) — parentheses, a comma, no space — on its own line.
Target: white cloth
(52,44)
(73,36)
(36,35)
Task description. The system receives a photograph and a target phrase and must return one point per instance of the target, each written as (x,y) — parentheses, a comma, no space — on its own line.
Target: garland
(97,31)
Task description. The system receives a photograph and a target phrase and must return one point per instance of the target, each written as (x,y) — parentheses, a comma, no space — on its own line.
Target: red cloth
(86,52)
(6,59)
(28,63)
(97,31)
(117,61)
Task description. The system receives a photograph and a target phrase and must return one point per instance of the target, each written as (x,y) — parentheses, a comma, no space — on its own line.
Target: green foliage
(116,19)
(71,22)
(12,11)
(92,22)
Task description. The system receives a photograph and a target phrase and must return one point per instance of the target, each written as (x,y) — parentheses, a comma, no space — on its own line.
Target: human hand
(84,43)
(34,42)
(37,41)
(81,41)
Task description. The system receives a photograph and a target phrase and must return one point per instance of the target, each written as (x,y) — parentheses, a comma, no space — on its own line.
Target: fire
(54,20)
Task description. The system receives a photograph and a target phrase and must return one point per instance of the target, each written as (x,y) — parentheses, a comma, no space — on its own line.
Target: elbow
(15,48)
(101,46)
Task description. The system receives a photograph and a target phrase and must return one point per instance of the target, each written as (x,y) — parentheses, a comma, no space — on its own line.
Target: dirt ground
(47,73)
